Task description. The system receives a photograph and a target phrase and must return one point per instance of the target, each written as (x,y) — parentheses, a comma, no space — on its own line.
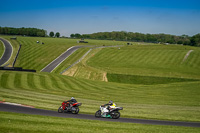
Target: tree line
(140,37)
(115,35)
(23,31)
(51,34)
(27,32)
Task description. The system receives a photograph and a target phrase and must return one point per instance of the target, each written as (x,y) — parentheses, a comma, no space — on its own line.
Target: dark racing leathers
(72,101)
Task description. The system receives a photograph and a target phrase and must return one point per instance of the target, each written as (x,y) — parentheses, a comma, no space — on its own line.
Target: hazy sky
(175,17)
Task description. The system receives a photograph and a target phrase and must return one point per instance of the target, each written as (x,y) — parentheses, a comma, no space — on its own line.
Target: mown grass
(148,60)
(150,64)
(70,60)
(167,101)
(36,56)
(82,70)
(176,101)
(145,80)
(1,49)
(23,123)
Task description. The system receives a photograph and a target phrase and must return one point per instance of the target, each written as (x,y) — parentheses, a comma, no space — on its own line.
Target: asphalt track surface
(50,67)
(7,53)
(33,111)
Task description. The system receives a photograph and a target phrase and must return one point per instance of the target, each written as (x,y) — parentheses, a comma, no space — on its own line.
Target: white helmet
(72,98)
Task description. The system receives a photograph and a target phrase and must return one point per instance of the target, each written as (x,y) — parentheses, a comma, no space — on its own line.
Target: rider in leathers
(109,105)
(72,101)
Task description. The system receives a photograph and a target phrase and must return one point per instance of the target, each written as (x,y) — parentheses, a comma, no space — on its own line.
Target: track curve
(7,53)
(27,110)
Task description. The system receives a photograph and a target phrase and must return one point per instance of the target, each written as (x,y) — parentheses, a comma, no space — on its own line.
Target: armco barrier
(16,69)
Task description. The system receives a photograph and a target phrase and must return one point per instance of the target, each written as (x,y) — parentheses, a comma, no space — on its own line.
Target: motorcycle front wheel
(60,109)
(98,114)
(75,111)
(115,115)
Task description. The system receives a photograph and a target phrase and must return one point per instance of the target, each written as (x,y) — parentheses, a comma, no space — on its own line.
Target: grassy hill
(149,80)
(157,60)
(175,101)
(150,63)
(36,56)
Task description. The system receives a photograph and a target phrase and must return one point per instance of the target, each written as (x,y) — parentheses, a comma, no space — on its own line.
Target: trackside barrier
(17,55)
(16,69)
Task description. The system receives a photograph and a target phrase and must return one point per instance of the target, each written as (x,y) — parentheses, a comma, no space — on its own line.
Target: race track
(27,110)
(50,67)
(7,53)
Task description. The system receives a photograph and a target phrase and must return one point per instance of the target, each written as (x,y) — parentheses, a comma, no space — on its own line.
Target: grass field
(13,122)
(175,101)
(70,60)
(36,56)
(149,60)
(145,61)
(145,80)
(150,81)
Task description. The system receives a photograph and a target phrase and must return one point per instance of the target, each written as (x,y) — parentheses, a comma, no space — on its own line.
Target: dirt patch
(186,56)
(105,77)
(71,71)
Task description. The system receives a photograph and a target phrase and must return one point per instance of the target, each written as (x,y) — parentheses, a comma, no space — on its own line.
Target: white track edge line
(57,58)
(62,61)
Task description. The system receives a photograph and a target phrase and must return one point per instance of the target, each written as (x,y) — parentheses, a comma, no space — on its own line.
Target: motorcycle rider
(71,101)
(108,106)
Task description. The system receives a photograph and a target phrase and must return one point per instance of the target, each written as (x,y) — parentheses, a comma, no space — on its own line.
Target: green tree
(77,35)
(57,34)
(72,35)
(41,34)
(51,34)
(195,40)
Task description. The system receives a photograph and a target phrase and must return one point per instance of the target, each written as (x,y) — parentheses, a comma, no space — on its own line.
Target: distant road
(50,67)
(27,110)
(7,53)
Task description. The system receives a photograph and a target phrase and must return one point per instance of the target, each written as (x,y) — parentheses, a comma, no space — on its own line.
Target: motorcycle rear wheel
(98,114)
(60,109)
(75,111)
(116,115)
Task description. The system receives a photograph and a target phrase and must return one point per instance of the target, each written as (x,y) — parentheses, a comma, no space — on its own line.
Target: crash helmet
(111,101)
(72,98)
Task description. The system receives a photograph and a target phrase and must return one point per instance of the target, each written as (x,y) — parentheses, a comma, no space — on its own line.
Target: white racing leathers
(105,110)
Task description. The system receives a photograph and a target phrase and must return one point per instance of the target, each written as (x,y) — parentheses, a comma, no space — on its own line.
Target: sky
(176,17)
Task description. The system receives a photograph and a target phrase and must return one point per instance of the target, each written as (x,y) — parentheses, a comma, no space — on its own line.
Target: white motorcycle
(112,112)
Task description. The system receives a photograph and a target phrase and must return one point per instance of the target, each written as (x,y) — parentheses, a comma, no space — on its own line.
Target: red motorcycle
(67,107)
